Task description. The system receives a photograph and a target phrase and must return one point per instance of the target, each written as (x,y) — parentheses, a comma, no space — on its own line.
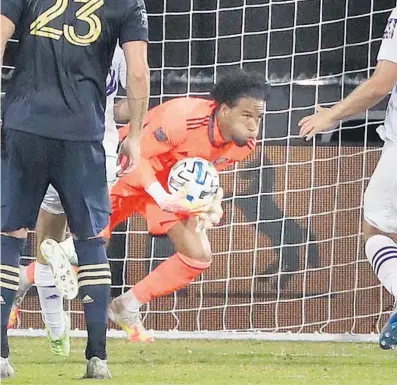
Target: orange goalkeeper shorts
(127,200)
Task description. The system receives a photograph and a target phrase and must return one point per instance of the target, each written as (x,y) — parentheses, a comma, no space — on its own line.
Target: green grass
(210,362)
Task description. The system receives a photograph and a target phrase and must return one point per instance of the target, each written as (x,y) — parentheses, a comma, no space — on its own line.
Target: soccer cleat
(64,275)
(6,370)
(388,335)
(97,369)
(14,321)
(129,321)
(61,346)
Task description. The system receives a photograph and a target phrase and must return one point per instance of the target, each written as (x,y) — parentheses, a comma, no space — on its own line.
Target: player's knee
(373,226)
(194,249)
(20,234)
(369,230)
(200,255)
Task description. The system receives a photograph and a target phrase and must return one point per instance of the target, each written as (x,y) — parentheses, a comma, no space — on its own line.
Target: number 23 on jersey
(86,14)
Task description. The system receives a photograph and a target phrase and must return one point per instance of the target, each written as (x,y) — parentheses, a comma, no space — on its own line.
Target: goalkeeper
(223,131)
(380,200)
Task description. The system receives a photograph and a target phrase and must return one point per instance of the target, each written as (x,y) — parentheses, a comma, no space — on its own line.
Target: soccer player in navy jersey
(52,131)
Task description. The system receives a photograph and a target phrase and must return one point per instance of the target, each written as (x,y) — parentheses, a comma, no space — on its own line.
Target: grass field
(170,362)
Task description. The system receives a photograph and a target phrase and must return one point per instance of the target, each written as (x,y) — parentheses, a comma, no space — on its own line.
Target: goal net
(288,255)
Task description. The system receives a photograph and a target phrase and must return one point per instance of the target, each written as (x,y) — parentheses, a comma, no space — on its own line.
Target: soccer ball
(198,176)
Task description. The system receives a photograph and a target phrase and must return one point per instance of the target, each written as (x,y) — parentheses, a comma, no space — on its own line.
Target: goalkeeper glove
(207,219)
(177,204)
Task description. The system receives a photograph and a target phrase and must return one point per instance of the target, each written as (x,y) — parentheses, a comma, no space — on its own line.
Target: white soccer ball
(198,176)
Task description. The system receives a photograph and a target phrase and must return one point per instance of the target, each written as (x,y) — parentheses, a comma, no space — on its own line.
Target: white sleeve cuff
(157,192)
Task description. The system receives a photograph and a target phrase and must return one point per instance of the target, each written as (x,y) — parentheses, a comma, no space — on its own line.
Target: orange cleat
(14,320)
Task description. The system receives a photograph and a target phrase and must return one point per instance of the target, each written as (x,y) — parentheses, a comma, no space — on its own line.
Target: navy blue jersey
(65,51)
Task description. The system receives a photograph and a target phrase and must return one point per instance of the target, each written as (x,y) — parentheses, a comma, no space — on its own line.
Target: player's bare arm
(138,84)
(138,91)
(7,30)
(365,96)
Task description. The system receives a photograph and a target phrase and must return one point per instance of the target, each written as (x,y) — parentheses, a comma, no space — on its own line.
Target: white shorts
(52,203)
(380,198)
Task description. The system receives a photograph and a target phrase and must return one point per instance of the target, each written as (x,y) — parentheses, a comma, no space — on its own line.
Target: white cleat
(64,275)
(6,370)
(97,369)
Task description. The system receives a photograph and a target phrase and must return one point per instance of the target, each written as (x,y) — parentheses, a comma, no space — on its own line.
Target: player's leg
(192,257)
(125,201)
(380,232)
(23,160)
(51,227)
(26,280)
(55,254)
(81,183)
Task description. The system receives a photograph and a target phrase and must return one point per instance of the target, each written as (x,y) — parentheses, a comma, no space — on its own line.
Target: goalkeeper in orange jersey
(222,130)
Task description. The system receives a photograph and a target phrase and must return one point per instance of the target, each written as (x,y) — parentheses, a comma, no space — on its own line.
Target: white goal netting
(288,255)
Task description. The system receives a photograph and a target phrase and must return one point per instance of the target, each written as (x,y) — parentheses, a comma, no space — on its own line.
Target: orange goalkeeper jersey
(180,128)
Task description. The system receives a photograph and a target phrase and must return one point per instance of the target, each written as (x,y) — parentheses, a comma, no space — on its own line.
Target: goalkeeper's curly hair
(239,84)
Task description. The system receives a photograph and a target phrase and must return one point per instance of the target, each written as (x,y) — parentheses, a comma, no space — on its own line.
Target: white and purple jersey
(117,73)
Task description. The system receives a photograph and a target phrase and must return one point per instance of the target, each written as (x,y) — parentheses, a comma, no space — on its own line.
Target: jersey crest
(160,135)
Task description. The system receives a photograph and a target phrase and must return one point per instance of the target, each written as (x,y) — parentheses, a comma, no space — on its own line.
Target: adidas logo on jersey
(87,299)
(2,302)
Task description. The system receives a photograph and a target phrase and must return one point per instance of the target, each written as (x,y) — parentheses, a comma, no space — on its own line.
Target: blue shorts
(29,163)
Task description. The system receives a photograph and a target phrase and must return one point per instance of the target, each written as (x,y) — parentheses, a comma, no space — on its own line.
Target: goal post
(288,260)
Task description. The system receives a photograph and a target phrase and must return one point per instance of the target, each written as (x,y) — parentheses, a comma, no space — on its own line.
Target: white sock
(381,252)
(51,301)
(68,247)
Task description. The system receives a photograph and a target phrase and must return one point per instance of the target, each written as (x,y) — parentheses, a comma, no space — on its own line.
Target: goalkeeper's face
(240,123)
